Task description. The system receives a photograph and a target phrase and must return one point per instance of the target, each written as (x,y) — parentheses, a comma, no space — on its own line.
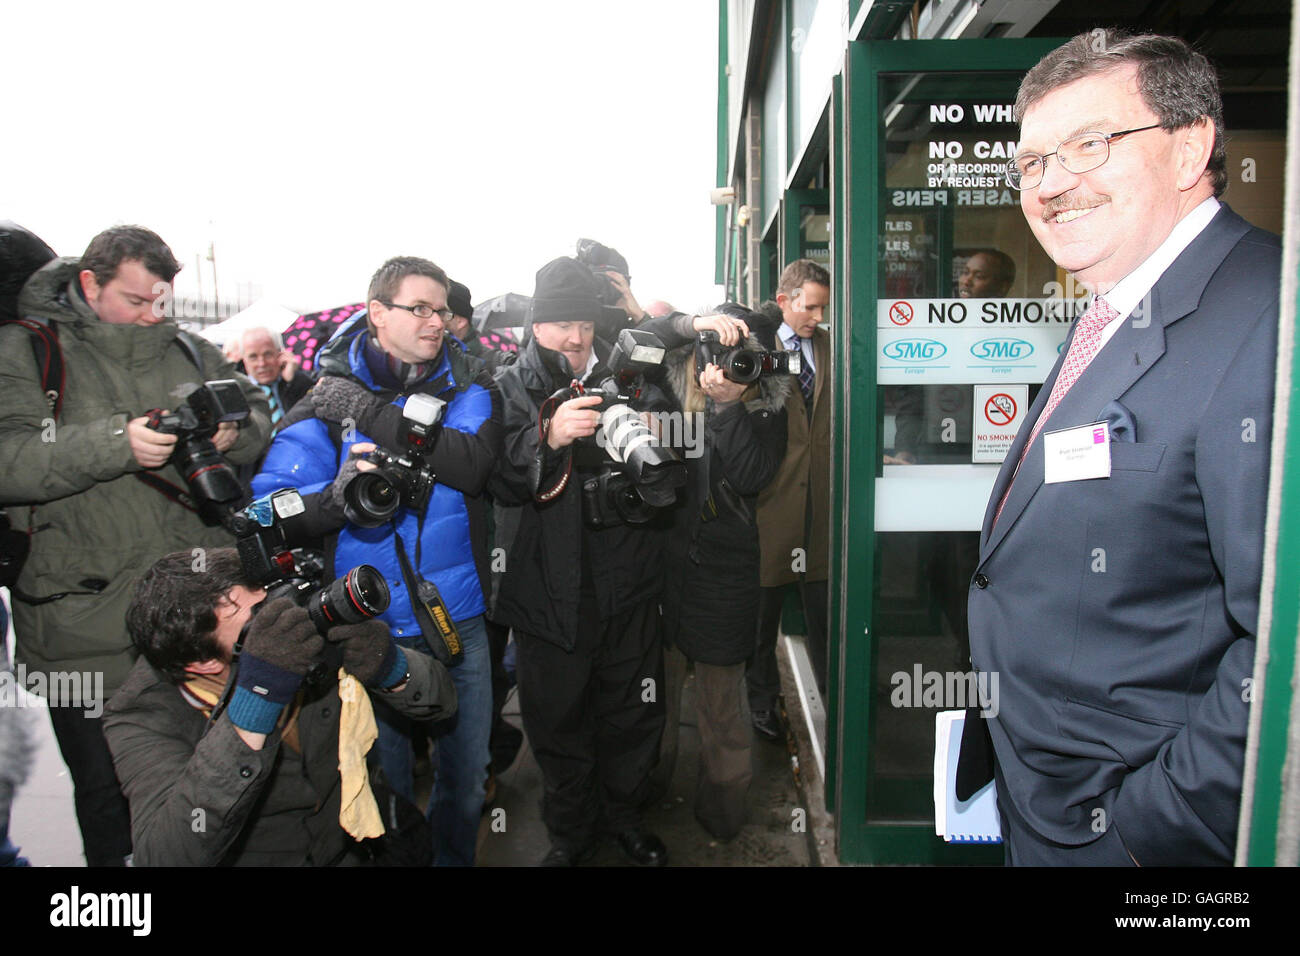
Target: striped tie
(1083,348)
(277,410)
(805,373)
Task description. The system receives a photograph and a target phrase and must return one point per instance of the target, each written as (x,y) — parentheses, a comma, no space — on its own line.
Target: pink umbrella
(309,333)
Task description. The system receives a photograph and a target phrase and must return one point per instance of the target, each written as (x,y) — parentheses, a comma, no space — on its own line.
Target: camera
(643,475)
(264,532)
(601,259)
(400,479)
(212,482)
(612,498)
(742,364)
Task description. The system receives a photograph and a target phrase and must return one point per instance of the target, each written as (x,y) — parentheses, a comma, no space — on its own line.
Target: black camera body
(742,364)
(398,481)
(601,259)
(264,533)
(401,479)
(612,498)
(212,482)
(642,475)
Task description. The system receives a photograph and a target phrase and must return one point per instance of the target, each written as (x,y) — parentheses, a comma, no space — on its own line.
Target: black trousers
(594,716)
(102,811)
(762,676)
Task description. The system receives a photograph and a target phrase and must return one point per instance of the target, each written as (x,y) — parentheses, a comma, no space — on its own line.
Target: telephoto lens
(360,594)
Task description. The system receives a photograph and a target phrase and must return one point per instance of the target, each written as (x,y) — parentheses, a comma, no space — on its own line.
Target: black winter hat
(566,291)
(459,300)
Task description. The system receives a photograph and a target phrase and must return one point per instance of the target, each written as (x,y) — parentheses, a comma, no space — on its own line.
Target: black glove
(342,400)
(280,648)
(369,653)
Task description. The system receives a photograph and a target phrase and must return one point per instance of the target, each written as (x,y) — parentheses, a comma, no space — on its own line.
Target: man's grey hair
(1176,83)
(276,339)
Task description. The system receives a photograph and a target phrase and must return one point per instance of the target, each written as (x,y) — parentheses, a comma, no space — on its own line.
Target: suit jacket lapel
(1124,359)
(821,344)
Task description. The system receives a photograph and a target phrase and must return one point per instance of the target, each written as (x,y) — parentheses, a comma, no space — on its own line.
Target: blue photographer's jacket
(448,546)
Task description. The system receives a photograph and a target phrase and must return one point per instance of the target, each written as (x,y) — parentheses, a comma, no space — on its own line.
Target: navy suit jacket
(1120,613)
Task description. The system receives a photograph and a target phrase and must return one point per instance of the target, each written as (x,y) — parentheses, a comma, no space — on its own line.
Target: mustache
(1059,204)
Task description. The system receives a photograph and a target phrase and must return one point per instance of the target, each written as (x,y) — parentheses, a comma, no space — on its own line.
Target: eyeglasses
(421,311)
(1078,154)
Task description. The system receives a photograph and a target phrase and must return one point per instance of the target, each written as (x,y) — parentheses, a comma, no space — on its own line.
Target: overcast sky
(309,142)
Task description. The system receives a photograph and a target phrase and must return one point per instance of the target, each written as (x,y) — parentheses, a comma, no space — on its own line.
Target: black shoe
(566,854)
(768,723)
(644,848)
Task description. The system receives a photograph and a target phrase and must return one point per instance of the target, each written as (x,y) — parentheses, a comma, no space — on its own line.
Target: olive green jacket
(95,527)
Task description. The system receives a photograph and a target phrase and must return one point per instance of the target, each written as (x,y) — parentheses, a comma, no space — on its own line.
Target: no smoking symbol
(900,313)
(1000,409)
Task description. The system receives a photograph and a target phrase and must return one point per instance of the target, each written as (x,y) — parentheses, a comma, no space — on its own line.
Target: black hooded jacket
(712,589)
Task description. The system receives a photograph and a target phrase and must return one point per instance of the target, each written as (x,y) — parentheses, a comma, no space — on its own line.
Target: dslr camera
(643,475)
(401,479)
(264,532)
(212,482)
(601,259)
(740,363)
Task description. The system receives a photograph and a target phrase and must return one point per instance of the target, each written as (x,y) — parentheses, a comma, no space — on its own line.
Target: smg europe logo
(915,350)
(1002,350)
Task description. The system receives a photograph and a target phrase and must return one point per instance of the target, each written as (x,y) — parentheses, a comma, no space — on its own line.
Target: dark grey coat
(207,799)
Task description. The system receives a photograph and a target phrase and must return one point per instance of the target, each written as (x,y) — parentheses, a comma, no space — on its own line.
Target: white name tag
(1075,454)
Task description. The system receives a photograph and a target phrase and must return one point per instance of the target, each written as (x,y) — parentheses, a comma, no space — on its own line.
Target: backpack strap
(49,360)
(190,347)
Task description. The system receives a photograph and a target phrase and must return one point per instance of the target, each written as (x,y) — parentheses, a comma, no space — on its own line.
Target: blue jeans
(460,752)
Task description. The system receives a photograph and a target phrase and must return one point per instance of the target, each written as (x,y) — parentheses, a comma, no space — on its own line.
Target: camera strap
(430,610)
(167,490)
(544,416)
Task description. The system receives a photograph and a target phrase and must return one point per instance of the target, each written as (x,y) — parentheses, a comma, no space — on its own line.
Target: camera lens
(370,499)
(367,590)
(741,366)
(359,595)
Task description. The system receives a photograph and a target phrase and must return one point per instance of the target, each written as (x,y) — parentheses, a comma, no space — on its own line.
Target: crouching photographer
(240,736)
(584,573)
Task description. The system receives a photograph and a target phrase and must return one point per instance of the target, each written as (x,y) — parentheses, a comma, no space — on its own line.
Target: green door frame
(857,141)
(1275,695)
(791,234)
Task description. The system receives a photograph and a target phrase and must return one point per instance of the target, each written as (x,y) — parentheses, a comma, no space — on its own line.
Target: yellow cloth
(358,811)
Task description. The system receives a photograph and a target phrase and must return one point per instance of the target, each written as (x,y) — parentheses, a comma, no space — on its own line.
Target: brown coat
(794,510)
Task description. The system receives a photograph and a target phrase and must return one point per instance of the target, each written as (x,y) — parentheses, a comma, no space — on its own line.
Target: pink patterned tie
(1083,348)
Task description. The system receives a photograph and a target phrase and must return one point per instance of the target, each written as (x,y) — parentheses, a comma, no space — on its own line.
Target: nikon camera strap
(430,610)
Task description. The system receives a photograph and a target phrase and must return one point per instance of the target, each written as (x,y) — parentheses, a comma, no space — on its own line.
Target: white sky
(311,142)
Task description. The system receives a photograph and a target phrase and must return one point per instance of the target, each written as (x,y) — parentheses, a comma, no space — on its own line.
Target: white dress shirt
(788,339)
(1130,290)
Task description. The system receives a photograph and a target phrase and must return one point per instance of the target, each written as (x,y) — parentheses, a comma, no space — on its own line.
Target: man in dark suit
(1117,590)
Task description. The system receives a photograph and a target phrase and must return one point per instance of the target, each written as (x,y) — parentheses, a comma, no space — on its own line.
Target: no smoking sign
(900,313)
(1002,410)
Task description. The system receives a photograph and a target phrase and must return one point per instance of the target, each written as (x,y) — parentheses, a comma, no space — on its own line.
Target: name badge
(1076,454)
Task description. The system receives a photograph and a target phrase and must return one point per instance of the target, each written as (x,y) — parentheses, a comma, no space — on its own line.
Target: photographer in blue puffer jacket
(432,549)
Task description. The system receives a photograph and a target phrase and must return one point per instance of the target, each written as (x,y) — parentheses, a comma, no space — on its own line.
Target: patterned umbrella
(306,336)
